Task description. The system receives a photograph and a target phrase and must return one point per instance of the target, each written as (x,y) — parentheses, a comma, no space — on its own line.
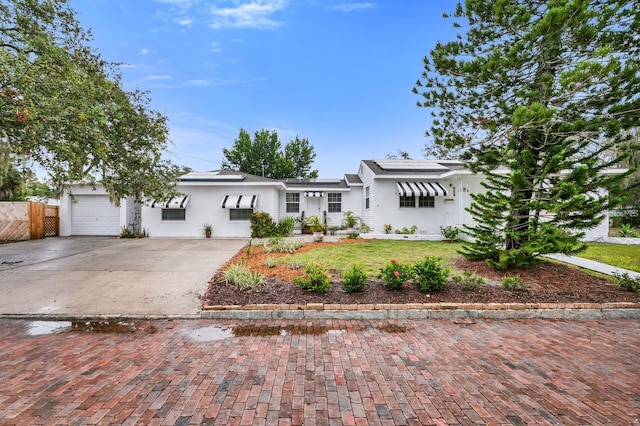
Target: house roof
(427,168)
(316,184)
(226,175)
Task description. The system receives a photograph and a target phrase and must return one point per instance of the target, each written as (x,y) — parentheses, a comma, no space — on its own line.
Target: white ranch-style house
(401,193)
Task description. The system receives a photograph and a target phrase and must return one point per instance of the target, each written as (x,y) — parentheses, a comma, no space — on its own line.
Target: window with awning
(239,202)
(420,189)
(172,203)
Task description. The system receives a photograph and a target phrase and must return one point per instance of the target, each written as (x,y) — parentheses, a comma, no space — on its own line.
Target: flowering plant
(395,274)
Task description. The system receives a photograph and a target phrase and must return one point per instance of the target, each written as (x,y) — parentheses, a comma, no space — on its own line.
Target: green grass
(621,256)
(373,255)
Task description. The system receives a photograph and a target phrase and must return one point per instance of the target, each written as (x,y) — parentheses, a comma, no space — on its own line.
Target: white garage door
(94,215)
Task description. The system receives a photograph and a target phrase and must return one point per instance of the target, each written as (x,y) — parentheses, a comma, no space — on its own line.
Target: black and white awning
(314,194)
(415,189)
(172,203)
(239,202)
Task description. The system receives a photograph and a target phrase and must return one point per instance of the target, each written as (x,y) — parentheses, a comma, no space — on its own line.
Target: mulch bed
(549,282)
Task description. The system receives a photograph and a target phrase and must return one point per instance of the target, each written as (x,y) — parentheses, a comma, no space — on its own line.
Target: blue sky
(338,73)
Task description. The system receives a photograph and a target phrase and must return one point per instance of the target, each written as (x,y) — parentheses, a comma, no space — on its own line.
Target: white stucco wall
(351,200)
(67,200)
(204,207)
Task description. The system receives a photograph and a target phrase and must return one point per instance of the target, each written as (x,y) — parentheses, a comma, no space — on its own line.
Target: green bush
(512,283)
(468,280)
(394,274)
(242,277)
(626,230)
(625,281)
(284,227)
(315,279)
(430,275)
(270,262)
(278,245)
(406,230)
(262,225)
(354,279)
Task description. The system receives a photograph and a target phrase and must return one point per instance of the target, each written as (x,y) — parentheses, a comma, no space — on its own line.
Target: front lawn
(621,256)
(372,255)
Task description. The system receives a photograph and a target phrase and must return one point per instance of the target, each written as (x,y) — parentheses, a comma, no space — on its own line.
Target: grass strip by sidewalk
(618,255)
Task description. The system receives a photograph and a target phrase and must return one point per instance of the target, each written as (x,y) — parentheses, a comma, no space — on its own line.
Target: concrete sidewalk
(592,265)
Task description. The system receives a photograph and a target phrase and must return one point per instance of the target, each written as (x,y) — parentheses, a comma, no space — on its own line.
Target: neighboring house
(401,193)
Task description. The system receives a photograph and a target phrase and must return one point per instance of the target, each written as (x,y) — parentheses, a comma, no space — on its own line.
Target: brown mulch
(549,282)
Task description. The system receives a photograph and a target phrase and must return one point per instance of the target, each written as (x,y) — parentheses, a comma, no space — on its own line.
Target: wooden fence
(24,220)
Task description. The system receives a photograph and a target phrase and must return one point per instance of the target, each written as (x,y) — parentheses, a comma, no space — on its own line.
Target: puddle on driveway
(213,333)
(392,328)
(39,328)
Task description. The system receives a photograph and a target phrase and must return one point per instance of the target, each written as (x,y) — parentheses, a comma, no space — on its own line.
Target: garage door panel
(94,215)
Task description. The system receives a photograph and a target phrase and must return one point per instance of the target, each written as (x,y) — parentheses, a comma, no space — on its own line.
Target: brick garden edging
(617,310)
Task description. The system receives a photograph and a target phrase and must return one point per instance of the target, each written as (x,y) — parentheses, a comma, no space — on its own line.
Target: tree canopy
(63,108)
(263,156)
(536,91)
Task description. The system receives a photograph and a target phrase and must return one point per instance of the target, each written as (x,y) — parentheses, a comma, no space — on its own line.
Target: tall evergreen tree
(536,91)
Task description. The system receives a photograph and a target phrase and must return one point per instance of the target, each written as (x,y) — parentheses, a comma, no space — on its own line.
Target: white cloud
(185,22)
(353,6)
(215,47)
(198,83)
(252,14)
(157,77)
(180,3)
(145,51)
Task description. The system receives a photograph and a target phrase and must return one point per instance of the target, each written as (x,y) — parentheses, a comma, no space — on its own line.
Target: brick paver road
(322,372)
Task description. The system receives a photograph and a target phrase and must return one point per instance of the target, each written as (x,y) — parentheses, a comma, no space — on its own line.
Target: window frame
(366,197)
(242,217)
(426,201)
(333,202)
(403,201)
(292,203)
(165,217)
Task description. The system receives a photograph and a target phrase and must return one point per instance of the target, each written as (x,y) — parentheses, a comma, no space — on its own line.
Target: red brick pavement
(324,373)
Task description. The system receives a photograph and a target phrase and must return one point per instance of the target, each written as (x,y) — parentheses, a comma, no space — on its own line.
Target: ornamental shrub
(627,282)
(469,280)
(430,275)
(354,279)
(262,225)
(394,274)
(512,283)
(316,279)
(242,277)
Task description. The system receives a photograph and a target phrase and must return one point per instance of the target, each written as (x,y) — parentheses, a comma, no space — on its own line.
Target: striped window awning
(314,194)
(415,189)
(239,202)
(173,203)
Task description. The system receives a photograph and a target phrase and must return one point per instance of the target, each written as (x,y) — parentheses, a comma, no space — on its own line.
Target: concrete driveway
(90,276)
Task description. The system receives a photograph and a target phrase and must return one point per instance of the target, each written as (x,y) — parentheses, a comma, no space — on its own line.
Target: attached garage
(94,215)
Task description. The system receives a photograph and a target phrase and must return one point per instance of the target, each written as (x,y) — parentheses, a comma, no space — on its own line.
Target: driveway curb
(319,311)
(621,310)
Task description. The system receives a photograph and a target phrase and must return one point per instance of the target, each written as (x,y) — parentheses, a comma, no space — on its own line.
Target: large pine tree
(536,91)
